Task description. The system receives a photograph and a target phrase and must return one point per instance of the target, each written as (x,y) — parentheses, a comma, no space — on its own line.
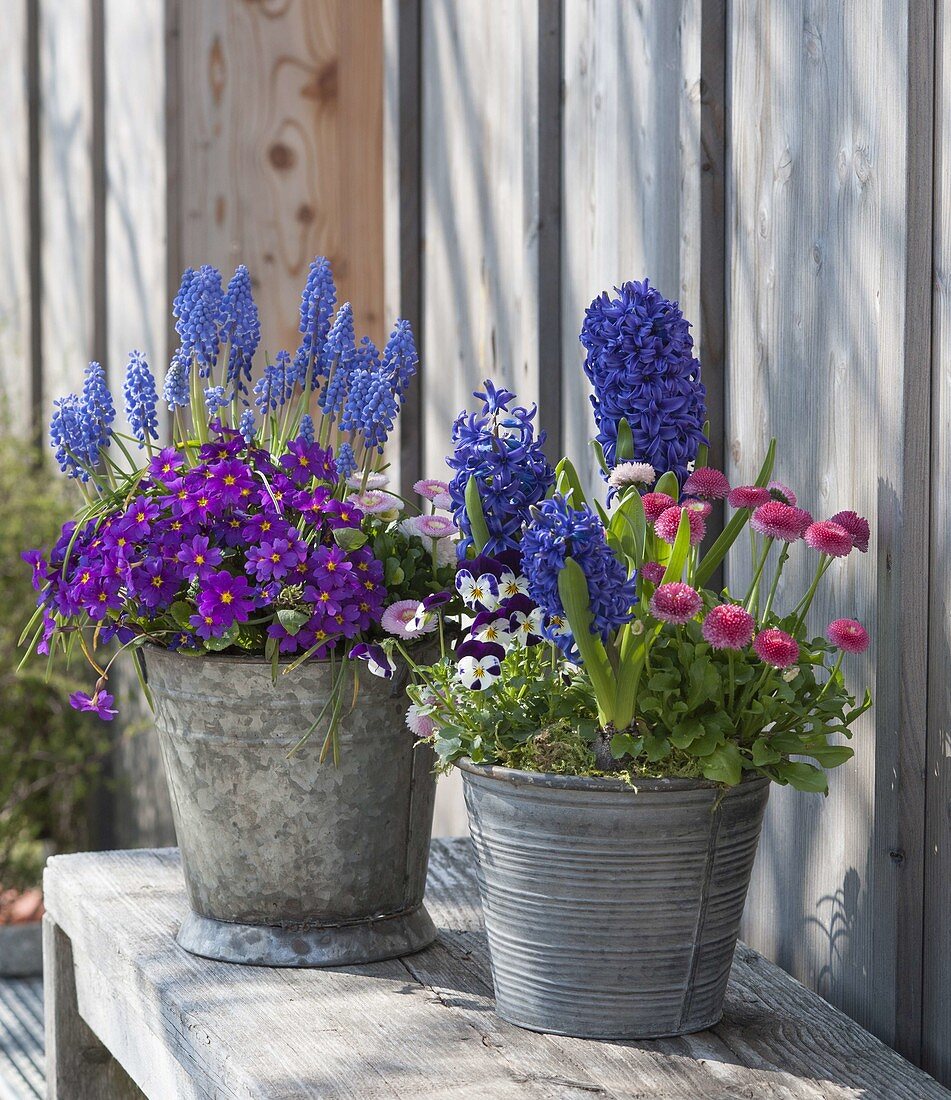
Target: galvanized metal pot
(611,913)
(290,862)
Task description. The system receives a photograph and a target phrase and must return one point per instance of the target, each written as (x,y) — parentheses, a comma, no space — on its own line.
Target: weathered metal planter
(290,862)
(611,913)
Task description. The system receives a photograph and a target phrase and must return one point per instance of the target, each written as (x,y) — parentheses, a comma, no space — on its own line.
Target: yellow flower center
(226,597)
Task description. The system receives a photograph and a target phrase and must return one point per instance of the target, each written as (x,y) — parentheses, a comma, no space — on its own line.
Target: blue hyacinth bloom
(339,355)
(215,400)
(242,328)
(499,448)
(175,388)
(102,411)
(74,435)
(246,425)
(640,362)
(141,398)
(316,309)
(558,531)
(365,368)
(199,309)
(307,428)
(399,355)
(346,461)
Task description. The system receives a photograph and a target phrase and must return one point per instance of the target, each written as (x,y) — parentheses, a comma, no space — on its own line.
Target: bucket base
(371,940)
(633,1033)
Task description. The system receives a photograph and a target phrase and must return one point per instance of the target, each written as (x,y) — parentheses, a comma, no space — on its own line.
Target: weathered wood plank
(936,1030)
(423,1025)
(630,184)
(78,1066)
(15,318)
(66,174)
(827,337)
(279,150)
(480,207)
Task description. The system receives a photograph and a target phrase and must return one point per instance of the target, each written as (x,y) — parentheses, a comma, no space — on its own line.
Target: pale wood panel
(135,187)
(828,308)
(480,217)
(936,1039)
(66,173)
(279,150)
(413,1027)
(15,361)
(631,164)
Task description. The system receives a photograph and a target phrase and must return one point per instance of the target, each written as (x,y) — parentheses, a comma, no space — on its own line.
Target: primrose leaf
(724,765)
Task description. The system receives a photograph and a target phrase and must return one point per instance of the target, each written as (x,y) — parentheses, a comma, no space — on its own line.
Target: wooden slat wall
(278,131)
(936,1037)
(829,179)
(15,319)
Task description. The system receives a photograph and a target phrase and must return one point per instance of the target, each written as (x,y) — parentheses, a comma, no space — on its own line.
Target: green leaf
(624,451)
(668,484)
(480,530)
(623,744)
(216,645)
(568,483)
(291,620)
(182,611)
(686,732)
(599,455)
(764,753)
(393,572)
(724,765)
(730,533)
(830,756)
(681,548)
(804,777)
(349,538)
(703,451)
(629,524)
(573,590)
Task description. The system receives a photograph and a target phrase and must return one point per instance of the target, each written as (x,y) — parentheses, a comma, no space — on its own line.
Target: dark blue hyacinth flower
(558,531)
(500,449)
(640,361)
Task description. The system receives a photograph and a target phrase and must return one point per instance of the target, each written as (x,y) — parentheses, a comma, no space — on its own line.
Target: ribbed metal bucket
(611,913)
(290,862)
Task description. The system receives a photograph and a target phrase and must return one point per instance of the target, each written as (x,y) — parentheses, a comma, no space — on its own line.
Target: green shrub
(49,754)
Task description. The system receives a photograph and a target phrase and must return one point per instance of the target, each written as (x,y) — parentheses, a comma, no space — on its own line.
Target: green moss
(50,754)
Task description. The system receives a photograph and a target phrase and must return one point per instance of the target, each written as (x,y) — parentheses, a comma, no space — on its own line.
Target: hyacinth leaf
(703,451)
(605,518)
(679,552)
(573,590)
(668,483)
(730,533)
(624,451)
(568,483)
(480,530)
(599,455)
(630,515)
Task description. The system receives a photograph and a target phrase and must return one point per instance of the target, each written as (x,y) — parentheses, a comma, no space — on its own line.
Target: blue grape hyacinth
(141,399)
(199,309)
(316,308)
(242,328)
(640,362)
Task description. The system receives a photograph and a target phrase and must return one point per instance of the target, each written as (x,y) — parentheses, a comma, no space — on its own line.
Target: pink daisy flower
(856,526)
(848,635)
(701,507)
(430,527)
(776,648)
(707,483)
(675,603)
(748,496)
(782,493)
(420,724)
(374,481)
(430,488)
(632,473)
(669,520)
(728,626)
(828,538)
(653,571)
(780,521)
(375,502)
(655,504)
(399,618)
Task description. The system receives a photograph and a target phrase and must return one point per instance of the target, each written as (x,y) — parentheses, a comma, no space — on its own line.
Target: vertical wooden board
(480,186)
(279,131)
(631,113)
(15,354)
(936,1047)
(137,310)
(66,174)
(821,353)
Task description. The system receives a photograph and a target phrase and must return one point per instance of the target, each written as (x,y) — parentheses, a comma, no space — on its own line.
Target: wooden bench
(124,1004)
